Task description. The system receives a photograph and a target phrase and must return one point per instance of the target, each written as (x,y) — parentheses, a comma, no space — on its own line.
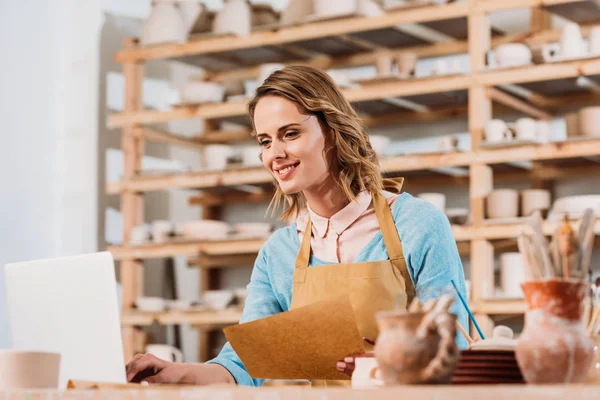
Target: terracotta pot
(554,346)
(410,350)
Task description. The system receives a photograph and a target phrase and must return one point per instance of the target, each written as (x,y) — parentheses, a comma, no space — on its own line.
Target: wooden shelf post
(132,204)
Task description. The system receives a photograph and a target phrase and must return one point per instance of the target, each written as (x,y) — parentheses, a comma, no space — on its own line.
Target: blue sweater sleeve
(261,302)
(433,259)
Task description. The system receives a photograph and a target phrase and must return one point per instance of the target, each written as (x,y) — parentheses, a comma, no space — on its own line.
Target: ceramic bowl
(512,55)
(217,299)
(574,206)
(217,156)
(437,199)
(380,143)
(199,92)
(150,304)
(253,228)
(502,203)
(205,229)
(457,216)
(28,370)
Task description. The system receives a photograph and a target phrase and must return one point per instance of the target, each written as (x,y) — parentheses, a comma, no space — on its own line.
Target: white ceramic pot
(512,55)
(497,131)
(340,78)
(140,234)
(503,203)
(217,155)
(437,199)
(166,24)
(407,64)
(150,304)
(326,8)
(526,129)
(205,229)
(165,352)
(589,119)
(234,18)
(161,231)
(267,69)
(512,274)
(241,295)
(199,92)
(379,143)
(28,370)
(251,156)
(533,200)
(543,131)
(571,41)
(595,41)
(296,12)
(574,206)
(193,13)
(457,216)
(217,299)
(179,304)
(366,373)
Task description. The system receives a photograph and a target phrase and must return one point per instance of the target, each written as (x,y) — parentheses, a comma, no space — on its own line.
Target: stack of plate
(480,367)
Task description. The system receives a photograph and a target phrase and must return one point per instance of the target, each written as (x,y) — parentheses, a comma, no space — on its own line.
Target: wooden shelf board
(188,248)
(501,307)
(581,12)
(196,319)
(199,180)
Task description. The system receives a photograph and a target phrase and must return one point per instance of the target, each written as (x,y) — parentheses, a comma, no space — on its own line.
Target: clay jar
(554,346)
(409,351)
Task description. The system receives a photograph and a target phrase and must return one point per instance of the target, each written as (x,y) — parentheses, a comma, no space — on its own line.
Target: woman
(348,228)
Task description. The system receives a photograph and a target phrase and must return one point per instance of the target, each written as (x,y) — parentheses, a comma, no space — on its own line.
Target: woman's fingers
(146,362)
(369,341)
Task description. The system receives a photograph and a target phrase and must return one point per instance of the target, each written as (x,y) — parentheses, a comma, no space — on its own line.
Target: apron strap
(304,253)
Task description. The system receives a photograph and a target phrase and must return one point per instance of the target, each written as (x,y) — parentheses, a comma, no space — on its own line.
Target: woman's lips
(286,172)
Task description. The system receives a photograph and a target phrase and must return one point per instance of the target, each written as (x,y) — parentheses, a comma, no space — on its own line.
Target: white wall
(48,94)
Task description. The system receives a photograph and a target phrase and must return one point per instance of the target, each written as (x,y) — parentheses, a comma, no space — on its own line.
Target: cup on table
(366,373)
(502,203)
(437,199)
(161,231)
(512,274)
(497,131)
(533,200)
(28,370)
(165,352)
(447,143)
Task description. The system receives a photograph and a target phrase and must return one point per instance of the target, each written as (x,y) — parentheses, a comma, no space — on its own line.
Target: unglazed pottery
(407,63)
(554,346)
(535,199)
(512,55)
(437,199)
(571,45)
(512,274)
(166,24)
(594,40)
(161,230)
(234,18)
(366,373)
(326,8)
(497,131)
(502,203)
(589,118)
(502,339)
(417,347)
(296,11)
(28,370)
(195,16)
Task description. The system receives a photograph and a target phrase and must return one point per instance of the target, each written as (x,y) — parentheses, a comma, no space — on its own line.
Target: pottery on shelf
(512,274)
(437,199)
(217,155)
(457,216)
(28,370)
(554,346)
(196,17)
(234,18)
(571,45)
(496,131)
(407,63)
(502,203)
(327,8)
(217,299)
(589,119)
(200,92)
(535,199)
(417,347)
(205,229)
(267,69)
(380,144)
(296,11)
(166,24)
(263,14)
(150,304)
(512,55)
(161,231)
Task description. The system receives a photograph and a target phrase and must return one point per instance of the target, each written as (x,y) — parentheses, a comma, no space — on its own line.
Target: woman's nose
(278,149)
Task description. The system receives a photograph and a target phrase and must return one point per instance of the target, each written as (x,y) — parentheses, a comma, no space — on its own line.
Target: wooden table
(559,392)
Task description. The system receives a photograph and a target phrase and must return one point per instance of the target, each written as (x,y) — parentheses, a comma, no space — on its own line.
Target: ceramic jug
(554,346)
(234,18)
(417,347)
(165,24)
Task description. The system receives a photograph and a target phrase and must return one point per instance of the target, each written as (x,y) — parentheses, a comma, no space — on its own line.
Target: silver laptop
(69,306)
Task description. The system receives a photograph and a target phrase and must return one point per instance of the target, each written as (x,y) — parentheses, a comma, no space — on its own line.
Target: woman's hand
(347,366)
(151,369)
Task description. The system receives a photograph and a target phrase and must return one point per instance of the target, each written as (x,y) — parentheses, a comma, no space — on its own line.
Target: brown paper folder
(304,343)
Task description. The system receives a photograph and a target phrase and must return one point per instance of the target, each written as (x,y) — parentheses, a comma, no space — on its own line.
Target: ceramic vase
(234,18)
(166,24)
(554,346)
(414,348)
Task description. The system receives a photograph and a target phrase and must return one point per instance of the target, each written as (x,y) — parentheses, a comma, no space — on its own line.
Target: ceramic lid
(502,339)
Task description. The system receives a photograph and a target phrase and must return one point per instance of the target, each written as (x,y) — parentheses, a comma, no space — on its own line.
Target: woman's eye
(264,143)
(291,134)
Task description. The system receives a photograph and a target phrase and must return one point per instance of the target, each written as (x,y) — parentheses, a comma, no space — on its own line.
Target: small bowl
(150,304)
(457,216)
(199,92)
(205,229)
(253,229)
(217,299)
(512,55)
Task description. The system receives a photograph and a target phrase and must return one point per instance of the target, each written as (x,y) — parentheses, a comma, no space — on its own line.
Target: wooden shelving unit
(547,90)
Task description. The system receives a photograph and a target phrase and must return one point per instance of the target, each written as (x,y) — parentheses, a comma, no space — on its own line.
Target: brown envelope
(304,343)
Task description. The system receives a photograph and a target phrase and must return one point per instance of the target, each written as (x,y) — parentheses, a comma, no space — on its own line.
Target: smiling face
(292,144)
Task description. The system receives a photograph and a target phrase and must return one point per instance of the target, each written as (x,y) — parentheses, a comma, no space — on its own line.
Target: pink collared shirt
(341,238)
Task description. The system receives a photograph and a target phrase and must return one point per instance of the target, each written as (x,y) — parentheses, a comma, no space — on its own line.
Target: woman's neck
(327,198)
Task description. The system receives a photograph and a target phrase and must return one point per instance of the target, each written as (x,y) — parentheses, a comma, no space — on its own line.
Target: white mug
(165,352)
(502,203)
(595,41)
(497,131)
(526,129)
(437,199)
(533,200)
(161,230)
(366,373)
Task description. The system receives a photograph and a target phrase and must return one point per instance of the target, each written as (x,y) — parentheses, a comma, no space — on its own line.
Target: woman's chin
(289,189)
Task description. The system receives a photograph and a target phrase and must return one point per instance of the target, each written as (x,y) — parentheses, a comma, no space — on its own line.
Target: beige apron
(373,286)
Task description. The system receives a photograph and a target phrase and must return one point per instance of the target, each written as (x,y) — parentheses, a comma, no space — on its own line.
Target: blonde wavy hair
(316,93)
